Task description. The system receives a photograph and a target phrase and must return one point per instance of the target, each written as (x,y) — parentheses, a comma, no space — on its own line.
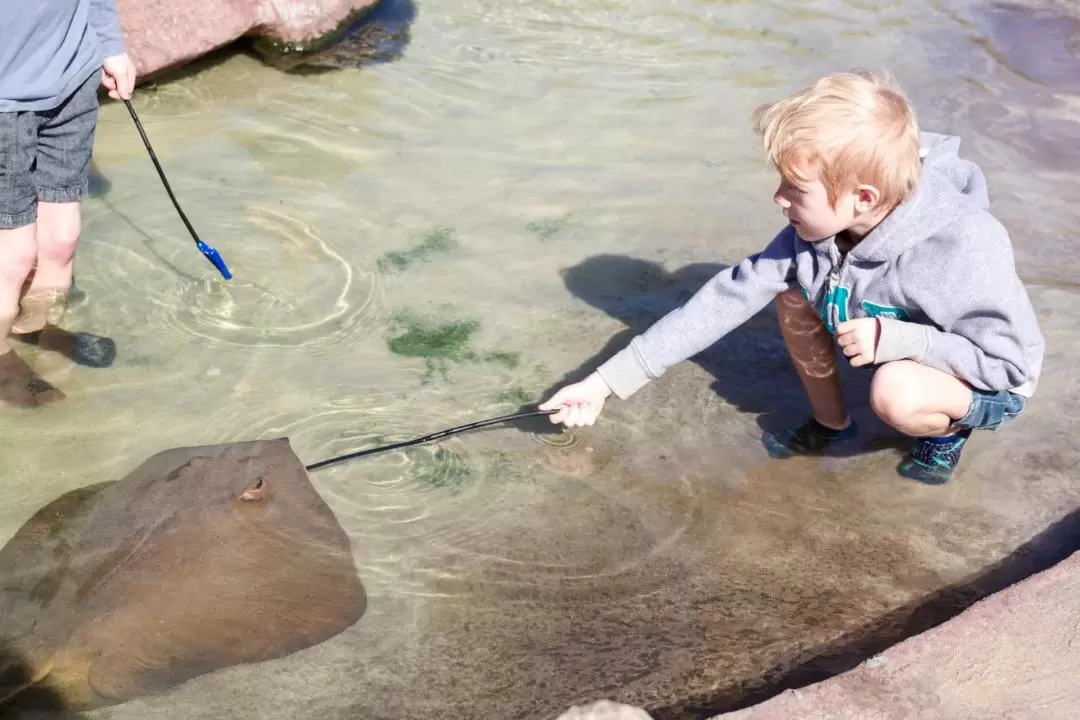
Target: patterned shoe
(933,459)
(808,438)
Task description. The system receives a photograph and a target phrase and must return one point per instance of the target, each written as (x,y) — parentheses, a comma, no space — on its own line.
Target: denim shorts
(990,410)
(45,155)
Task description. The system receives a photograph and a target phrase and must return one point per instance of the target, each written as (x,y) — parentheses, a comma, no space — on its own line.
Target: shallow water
(546,175)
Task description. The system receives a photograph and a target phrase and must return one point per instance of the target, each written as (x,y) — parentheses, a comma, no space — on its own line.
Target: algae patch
(546,228)
(442,343)
(514,396)
(438,240)
(508,359)
(442,468)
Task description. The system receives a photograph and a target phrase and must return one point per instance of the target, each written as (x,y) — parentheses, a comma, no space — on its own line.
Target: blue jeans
(990,410)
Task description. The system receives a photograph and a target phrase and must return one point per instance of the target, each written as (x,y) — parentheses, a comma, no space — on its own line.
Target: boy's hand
(580,403)
(859,338)
(118,76)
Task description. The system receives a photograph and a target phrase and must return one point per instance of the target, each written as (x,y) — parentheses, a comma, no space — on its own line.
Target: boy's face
(806,205)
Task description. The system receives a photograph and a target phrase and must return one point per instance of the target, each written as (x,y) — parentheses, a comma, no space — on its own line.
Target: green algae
(514,396)
(437,240)
(425,338)
(442,343)
(443,469)
(546,228)
(509,360)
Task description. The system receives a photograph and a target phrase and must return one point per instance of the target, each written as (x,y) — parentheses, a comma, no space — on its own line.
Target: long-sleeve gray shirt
(48,48)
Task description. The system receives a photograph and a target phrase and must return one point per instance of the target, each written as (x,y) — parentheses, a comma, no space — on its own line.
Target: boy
(891,251)
(51,52)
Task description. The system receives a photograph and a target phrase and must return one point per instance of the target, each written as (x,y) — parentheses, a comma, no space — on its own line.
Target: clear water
(551,173)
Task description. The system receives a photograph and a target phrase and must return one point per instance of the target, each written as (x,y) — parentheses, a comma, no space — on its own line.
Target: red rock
(162,34)
(1015,654)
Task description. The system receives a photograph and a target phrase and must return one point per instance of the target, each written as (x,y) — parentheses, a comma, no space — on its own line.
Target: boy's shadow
(750,365)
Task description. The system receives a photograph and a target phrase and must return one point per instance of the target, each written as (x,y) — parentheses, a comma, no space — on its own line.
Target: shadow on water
(750,366)
(100,186)
(1042,552)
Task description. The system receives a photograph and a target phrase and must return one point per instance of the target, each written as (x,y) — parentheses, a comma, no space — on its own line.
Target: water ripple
(466,517)
(291,287)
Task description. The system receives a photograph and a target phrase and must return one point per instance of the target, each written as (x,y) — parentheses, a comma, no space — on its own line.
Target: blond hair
(853,128)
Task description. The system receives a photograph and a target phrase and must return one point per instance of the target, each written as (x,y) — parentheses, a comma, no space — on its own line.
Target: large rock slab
(162,34)
(1015,654)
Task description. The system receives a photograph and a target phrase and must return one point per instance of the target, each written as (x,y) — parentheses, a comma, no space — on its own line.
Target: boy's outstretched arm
(984,330)
(727,301)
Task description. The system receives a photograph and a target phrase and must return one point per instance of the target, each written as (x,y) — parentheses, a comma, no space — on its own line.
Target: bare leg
(813,352)
(918,400)
(924,402)
(58,228)
(18,252)
(19,385)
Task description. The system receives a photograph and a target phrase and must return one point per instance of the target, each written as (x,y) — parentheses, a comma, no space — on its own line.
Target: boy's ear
(867,198)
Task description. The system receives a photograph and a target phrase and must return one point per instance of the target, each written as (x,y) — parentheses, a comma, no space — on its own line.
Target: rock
(162,34)
(1007,655)
(605,710)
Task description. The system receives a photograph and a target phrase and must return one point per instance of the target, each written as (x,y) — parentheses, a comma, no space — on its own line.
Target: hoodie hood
(949,189)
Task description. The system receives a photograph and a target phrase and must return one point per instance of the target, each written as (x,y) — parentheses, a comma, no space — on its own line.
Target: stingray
(199,559)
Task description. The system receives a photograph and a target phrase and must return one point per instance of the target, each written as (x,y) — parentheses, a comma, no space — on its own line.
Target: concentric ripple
(449,518)
(568,438)
(290,286)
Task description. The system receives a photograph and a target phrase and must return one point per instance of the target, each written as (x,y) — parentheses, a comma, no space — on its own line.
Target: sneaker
(932,460)
(808,438)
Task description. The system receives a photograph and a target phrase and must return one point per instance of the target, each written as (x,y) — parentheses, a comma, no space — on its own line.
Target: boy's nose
(781,201)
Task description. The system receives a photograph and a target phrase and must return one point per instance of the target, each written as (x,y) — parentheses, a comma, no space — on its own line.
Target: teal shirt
(48,48)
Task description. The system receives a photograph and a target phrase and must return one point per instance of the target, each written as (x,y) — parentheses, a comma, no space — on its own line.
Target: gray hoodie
(48,48)
(938,272)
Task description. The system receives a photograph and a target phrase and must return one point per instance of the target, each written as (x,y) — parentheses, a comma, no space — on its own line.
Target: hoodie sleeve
(105,21)
(982,319)
(728,300)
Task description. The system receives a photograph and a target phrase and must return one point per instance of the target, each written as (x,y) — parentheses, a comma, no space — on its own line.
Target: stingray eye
(254,491)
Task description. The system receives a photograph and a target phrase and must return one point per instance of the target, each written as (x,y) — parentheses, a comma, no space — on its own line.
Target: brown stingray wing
(241,604)
(33,568)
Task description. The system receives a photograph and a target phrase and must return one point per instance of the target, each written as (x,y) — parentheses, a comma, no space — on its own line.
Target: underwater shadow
(99,185)
(750,366)
(1041,553)
(16,676)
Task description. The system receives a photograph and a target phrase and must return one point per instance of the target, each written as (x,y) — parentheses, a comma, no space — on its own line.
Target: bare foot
(22,387)
(81,348)
(38,307)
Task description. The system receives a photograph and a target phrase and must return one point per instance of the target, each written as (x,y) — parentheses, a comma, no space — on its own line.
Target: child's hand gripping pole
(210,253)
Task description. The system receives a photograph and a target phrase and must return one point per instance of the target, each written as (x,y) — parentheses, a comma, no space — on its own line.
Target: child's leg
(44,301)
(61,177)
(18,251)
(918,400)
(940,411)
(18,213)
(813,353)
(19,385)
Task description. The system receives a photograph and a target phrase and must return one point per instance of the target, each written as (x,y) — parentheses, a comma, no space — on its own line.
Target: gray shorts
(45,155)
